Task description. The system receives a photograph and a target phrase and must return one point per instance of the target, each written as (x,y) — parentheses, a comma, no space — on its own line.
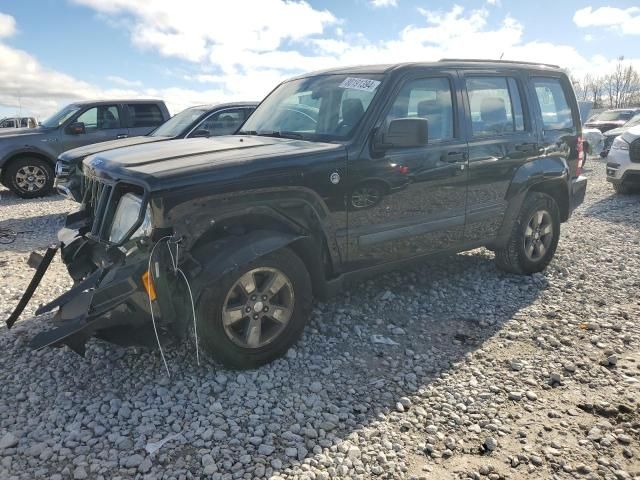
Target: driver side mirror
(200,133)
(76,128)
(405,133)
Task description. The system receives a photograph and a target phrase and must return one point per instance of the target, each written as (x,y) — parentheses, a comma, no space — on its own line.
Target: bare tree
(596,89)
(622,85)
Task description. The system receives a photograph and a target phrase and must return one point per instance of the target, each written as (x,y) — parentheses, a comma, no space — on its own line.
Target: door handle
(122,135)
(526,147)
(455,157)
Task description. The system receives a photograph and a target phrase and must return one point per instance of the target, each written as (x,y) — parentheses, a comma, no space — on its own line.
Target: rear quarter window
(554,104)
(144,115)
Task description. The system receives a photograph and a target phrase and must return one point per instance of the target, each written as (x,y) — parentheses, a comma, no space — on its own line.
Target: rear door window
(495,106)
(554,107)
(144,115)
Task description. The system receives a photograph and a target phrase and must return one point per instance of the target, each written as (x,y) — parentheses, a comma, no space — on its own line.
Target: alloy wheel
(364,197)
(258,307)
(538,235)
(31,178)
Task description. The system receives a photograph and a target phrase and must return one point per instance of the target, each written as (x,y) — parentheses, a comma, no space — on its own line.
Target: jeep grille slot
(96,200)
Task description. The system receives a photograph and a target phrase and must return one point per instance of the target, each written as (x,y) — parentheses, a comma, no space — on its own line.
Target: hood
(631,134)
(614,132)
(77,154)
(608,123)
(166,164)
(22,132)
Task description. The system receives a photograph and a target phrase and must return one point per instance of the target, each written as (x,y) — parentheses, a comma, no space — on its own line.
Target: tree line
(618,89)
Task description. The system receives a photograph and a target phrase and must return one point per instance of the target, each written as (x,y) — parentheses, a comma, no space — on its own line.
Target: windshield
(321,108)
(179,122)
(633,122)
(613,116)
(58,118)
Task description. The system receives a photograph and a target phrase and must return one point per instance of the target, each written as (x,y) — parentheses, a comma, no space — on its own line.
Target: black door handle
(122,135)
(454,157)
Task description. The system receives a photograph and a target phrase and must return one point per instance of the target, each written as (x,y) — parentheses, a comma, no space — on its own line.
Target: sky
(189,52)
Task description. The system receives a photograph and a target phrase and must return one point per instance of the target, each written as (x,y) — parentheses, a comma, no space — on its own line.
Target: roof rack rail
(495,61)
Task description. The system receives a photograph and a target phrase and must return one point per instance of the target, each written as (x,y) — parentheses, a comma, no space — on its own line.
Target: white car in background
(623,166)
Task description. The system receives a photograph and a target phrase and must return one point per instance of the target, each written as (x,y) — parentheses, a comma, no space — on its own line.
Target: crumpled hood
(77,154)
(163,164)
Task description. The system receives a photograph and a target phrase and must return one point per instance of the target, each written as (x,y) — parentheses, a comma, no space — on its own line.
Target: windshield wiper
(281,134)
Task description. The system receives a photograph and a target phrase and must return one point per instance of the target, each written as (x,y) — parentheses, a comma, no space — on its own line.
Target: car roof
(117,100)
(445,62)
(217,106)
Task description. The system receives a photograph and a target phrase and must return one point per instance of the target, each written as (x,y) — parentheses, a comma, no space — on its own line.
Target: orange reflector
(148,286)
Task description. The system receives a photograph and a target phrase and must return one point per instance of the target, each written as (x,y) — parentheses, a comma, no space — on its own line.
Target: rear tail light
(402,169)
(580,150)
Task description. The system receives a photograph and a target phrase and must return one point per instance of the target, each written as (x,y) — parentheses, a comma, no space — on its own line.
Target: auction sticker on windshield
(360,84)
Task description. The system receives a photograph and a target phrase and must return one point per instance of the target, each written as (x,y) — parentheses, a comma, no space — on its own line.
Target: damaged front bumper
(108,293)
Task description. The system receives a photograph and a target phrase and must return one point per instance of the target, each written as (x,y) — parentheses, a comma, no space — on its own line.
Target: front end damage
(113,292)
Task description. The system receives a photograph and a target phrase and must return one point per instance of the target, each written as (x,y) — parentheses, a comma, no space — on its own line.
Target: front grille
(96,197)
(634,151)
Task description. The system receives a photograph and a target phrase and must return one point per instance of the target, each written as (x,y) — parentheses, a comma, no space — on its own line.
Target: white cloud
(494,3)
(384,3)
(241,53)
(123,82)
(622,20)
(7,25)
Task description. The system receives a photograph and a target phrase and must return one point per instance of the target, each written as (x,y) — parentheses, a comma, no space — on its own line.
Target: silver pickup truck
(28,156)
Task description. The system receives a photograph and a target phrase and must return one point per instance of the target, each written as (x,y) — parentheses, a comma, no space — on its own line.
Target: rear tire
(29,177)
(624,188)
(228,311)
(534,236)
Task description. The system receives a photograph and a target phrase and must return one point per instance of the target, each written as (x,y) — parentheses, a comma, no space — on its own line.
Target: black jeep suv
(336,174)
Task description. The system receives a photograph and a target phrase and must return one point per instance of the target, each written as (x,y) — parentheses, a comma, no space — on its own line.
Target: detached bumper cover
(109,297)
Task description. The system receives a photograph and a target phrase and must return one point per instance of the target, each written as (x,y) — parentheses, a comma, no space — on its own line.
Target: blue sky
(189,51)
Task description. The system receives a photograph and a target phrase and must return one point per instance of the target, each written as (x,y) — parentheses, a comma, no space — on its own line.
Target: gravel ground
(490,375)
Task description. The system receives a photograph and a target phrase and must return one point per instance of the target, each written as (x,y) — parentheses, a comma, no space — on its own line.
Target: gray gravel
(485,375)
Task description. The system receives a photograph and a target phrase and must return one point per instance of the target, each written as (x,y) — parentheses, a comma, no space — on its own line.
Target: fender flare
(529,176)
(27,150)
(221,257)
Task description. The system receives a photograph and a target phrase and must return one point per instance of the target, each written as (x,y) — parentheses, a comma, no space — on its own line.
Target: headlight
(619,144)
(127,213)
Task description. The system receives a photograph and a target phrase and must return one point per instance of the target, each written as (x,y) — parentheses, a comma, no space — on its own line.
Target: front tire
(253,315)
(30,177)
(534,236)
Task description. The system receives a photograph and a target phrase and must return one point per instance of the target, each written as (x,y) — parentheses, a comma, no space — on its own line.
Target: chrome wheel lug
(265,309)
(264,297)
(253,298)
(247,309)
(255,316)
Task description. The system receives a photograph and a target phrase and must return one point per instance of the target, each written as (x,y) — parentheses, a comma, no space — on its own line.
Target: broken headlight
(126,216)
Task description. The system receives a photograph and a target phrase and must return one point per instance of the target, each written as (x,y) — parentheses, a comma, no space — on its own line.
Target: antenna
(502,55)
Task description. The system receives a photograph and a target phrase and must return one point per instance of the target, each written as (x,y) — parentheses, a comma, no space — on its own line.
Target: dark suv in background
(610,119)
(194,122)
(249,228)
(28,157)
